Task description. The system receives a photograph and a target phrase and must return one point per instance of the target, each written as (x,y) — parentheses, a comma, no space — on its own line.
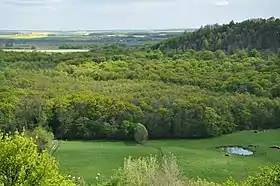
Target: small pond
(239,151)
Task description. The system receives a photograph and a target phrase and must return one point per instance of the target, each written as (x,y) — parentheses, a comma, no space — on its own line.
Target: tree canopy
(190,94)
(261,34)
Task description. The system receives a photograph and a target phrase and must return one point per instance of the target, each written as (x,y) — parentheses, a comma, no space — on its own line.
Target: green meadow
(197,158)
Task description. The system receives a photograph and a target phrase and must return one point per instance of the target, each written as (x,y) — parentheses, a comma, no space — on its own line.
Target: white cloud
(222,3)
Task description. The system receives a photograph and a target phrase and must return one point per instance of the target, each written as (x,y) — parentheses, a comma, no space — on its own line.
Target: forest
(261,34)
(104,93)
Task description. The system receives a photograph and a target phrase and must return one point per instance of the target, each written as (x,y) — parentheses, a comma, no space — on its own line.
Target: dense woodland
(261,34)
(104,93)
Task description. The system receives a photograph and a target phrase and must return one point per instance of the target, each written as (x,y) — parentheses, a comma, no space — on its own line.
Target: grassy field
(47,50)
(196,157)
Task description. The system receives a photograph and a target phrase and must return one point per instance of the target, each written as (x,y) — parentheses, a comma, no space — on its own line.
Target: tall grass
(152,171)
(147,171)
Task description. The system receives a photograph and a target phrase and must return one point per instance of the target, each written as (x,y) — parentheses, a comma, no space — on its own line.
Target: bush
(141,134)
(146,171)
(151,171)
(44,139)
(269,176)
(22,164)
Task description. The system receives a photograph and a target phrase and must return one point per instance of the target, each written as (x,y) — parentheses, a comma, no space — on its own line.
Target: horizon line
(140,29)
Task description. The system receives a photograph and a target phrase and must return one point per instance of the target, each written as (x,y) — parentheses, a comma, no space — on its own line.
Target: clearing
(199,158)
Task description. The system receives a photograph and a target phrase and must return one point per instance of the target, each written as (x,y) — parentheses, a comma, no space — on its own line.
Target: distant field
(32,35)
(196,157)
(47,51)
(22,41)
(27,36)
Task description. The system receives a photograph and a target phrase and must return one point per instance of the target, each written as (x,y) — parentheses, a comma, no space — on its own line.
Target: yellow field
(34,35)
(47,51)
(31,36)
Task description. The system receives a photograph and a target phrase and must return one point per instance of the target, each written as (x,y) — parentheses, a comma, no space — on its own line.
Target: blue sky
(129,14)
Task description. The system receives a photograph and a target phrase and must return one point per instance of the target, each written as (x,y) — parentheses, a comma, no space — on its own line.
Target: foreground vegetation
(24,161)
(21,163)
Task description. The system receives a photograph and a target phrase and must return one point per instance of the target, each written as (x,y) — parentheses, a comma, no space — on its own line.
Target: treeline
(189,94)
(261,34)
(70,46)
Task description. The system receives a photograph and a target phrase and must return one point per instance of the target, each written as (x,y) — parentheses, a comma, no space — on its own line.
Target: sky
(129,14)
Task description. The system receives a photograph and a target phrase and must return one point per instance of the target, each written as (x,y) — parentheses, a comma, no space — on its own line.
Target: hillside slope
(188,96)
(259,34)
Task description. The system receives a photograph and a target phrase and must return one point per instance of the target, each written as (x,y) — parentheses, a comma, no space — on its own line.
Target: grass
(47,50)
(197,158)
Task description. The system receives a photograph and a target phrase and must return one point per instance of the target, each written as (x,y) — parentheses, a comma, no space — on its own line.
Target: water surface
(239,151)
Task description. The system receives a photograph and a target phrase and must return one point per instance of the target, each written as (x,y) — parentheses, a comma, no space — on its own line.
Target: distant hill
(259,34)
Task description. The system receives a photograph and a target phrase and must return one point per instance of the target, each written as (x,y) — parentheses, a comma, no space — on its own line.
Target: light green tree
(22,165)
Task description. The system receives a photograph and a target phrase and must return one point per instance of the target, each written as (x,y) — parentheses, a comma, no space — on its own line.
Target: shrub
(146,171)
(141,134)
(44,139)
(269,176)
(22,164)
(231,182)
